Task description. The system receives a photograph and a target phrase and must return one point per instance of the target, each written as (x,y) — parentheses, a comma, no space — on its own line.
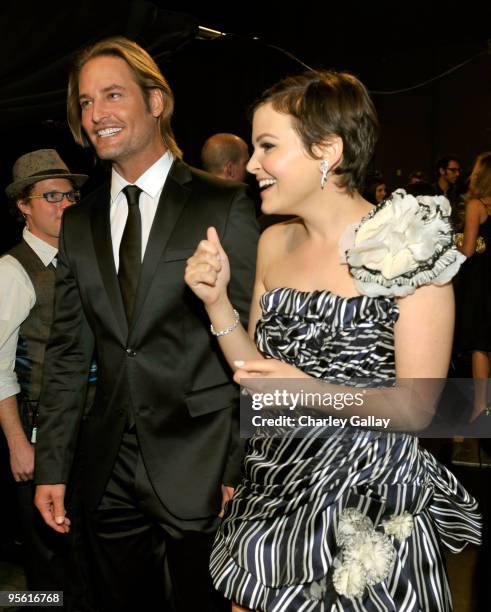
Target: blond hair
(147,75)
(480,186)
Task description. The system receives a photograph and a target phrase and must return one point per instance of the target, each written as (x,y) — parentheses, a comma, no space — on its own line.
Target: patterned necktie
(130,250)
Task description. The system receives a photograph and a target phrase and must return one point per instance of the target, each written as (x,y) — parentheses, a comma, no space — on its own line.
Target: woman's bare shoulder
(476,209)
(475,203)
(276,237)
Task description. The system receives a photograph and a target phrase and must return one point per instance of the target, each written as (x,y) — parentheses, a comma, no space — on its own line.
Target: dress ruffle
(281,537)
(321,332)
(404,243)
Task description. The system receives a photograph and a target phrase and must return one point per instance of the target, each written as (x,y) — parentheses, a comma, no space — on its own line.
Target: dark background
(388,46)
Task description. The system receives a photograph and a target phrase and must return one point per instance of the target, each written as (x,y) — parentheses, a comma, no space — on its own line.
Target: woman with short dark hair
(337,517)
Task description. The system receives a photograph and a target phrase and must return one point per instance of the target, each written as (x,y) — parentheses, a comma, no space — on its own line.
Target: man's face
(452,172)
(43,219)
(119,122)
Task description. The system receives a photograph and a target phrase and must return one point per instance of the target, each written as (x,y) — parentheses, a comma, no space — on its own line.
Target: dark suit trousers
(145,558)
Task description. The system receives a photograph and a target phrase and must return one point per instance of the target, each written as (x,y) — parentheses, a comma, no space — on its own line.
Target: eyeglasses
(453,169)
(56,197)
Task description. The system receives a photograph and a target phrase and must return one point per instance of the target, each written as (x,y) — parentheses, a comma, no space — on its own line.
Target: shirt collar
(151,181)
(43,250)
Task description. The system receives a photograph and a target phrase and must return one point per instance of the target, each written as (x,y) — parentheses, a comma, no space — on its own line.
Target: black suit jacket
(165,366)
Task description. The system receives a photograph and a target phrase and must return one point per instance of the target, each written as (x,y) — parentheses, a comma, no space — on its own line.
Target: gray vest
(33,332)
(34,335)
(33,338)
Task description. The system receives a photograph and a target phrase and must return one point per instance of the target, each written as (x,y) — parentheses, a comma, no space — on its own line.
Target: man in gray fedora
(41,189)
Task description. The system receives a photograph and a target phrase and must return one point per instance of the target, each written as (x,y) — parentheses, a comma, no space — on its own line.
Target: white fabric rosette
(402,244)
(349,579)
(366,556)
(351,523)
(399,525)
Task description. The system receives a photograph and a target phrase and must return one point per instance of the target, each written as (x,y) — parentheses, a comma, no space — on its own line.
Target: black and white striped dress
(282,544)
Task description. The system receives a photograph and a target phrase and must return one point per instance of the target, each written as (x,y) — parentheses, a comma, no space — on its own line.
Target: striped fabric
(276,549)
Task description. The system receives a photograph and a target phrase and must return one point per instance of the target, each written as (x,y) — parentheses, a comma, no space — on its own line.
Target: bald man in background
(225,156)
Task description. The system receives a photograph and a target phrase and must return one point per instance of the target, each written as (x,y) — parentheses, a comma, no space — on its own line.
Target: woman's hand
(264,375)
(208,271)
(247,371)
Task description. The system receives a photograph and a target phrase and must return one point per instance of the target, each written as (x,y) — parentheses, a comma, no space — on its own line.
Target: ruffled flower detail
(374,551)
(349,579)
(402,244)
(305,328)
(399,525)
(351,523)
(366,555)
(317,590)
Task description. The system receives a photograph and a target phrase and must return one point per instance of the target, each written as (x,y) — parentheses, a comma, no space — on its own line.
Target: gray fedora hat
(39,166)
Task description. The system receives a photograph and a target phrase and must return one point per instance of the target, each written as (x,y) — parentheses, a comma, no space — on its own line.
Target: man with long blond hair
(160,446)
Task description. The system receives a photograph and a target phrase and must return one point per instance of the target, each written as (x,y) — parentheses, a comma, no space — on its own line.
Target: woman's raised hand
(208,270)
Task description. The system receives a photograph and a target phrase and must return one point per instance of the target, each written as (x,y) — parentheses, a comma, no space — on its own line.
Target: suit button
(130,352)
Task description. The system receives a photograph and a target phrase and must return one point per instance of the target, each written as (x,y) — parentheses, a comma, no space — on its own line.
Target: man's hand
(227,494)
(22,459)
(50,501)
(20,449)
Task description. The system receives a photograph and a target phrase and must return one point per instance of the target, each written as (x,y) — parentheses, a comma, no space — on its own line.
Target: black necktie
(130,250)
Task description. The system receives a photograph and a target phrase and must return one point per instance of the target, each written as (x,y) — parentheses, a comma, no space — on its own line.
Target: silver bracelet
(224,332)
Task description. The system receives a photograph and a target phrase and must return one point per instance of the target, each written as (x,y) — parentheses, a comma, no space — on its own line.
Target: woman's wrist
(227,330)
(221,307)
(224,319)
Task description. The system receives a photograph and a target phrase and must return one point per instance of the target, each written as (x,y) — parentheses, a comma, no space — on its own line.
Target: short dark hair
(372,182)
(443,162)
(325,103)
(12,202)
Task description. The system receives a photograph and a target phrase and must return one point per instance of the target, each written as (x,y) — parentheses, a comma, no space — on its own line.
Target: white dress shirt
(17,297)
(151,182)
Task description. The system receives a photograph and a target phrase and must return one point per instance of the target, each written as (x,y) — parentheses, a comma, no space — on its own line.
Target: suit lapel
(172,201)
(101,231)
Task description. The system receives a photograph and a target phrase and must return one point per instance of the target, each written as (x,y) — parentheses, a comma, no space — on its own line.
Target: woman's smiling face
(286,174)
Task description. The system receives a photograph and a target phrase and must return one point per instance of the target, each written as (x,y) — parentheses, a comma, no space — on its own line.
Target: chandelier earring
(324,171)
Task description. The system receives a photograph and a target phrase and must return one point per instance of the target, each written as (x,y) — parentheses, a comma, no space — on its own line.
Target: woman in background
(375,190)
(473,286)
